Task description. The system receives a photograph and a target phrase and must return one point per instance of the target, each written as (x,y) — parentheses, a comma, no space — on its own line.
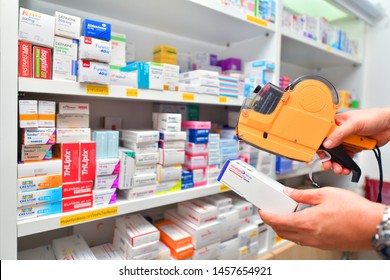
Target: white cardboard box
(72,247)
(198,211)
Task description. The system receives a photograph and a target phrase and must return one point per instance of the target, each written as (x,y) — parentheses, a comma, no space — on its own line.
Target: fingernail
(328,143)
(287,190)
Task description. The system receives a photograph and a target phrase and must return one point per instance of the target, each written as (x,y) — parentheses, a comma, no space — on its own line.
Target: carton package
(39,136)
(38,210)
(198,211)
(67,25)
(93,72)
(28,113)
(39,168)
(46,113)
(76,188)
(39,182)
(39,196)
(94,49)
(73,108)
(172,235)
(65,59)
(118,49)
(105,251)
(41,63)
(97,29)
(25,59)
(77,202)
(36,152)
(72,247)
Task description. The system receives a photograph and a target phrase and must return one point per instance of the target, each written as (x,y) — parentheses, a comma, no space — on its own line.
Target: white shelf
(122,92)
(299,172)
(203,20)
(306,52)
(51,222)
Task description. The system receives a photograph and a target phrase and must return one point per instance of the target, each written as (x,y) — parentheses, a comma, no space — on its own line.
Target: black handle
(341,157)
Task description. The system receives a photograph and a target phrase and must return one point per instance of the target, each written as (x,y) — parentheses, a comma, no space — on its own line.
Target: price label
(132,92)
(256,20)
(188,97)
(222,99)
(88,216)
(98,89)
(328,48)
(223,188)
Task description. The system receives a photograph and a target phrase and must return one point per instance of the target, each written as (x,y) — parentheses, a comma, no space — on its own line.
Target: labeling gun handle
(360,142)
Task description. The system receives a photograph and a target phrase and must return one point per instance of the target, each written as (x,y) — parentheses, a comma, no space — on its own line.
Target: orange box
(39,182)
(173,236)
(183,252)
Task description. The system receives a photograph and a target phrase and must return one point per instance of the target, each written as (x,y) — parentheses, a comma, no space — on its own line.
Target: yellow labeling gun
(294,122)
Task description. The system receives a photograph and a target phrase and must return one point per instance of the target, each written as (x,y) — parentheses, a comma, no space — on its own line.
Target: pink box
(77,202)
(76,188)
(195,161)
(70,162)
(195,125)
(87,161)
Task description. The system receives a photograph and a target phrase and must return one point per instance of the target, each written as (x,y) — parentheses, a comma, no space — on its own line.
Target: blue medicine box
(97,29)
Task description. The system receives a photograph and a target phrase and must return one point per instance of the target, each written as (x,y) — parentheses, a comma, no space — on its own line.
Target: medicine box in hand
(259,189)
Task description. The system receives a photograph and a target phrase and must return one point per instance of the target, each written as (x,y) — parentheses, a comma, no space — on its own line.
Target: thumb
(339,135)
(303,196)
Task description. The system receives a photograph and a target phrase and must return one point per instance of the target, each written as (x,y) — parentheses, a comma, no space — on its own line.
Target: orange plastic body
(301,121)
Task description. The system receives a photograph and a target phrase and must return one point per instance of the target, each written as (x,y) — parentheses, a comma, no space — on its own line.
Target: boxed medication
(130,52)
(168,173)
(138,192)
(247,234)
(72,120)
(148,256)
(72,247)
(39,196)
(39,168)
(25,59)
(149,147)
(67,26)
(143,179)
(178,145)
(182,253)
(73,108)
(168,186)
(77,202)
(202,82)
(36,152)
(229,250)
(198,211)
(150,75)
(93,72)
(138,231)
(39,136)
(28,113)
(94,49)
(171,156)
(36,28)
(122,78)
(200,176)
(229,224)
(76,188)
(105,252)
(248,251)
(198,74)
(38,210)
(165,126)
(196,149)
(171,77)
(87,164)
(46,113)
(219,200)
(97,29)
(245,208)
(196,125)
(210,252)
(195,161)
(173,136)
(166,117)
(202,236)
(104,197)
(146,159)
(127,164)
(38,253)
(145,169)
(39,182)
(164,253)
(118,49)
(107,166)
(261,190)
(140,136)
(41,63)
(73,135)
(65,59)
(106,182)
(112,143)
(172,235)
(101,139)
(70,161)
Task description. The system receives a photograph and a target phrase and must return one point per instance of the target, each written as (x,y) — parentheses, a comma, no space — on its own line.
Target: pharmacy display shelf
(122,92)
(300,172)
(202,20)
(121,207)
(306,52)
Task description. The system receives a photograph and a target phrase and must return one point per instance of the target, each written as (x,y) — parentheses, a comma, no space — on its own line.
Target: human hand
(372,122)
(337,220)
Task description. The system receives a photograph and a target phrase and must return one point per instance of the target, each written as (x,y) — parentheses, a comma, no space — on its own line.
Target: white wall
(376,77)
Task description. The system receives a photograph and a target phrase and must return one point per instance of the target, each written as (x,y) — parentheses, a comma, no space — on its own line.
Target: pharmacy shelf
(203,20)
(309,53)
(299,172)
(122,206)
(122,92)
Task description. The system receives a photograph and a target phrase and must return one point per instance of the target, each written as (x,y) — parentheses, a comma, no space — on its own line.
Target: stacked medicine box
(196,150)
(39,175)
(139,157)
(95,52)
(72,247)
(107,166)
(171,151)
(258,72)
(199,219)
(78,155)
(228,86)
(200,81)
(135,238)
(214,158)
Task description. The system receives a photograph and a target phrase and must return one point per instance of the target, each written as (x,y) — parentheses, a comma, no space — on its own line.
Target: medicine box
(28,113)
(168,187)
(165,126)
(39,196)
(107,166)
(168,173)
(38,136)
(38,210)
(76,188)
(166,117)
(150,74)
(259,189)
(197,74)
(65,59)
(172,235)
(138,192)
(25,59)
(39,182)
(105,252)
(72,247)
(145,169)
(229,250)
(137,229)
(87,163)
(73,108)
(36,28)
(196,125)
(198,211)
(46,113)
(173,136)
(144,179)
(140,136)
(93,72)
(104,197)
(73,135)
(122,78)
(77,202)
(229,224)
(171,156)
(180,144)
(182,253)
(171,77)
(70,161)
(97,29)
(39,168)
(41,63)
(94,49)
(72,120)
(202,82)
(106,182)
(118,49)
(219,200)
(151,147)
(210,252)
(164,252)
(127,165)
(67,25)
(36,152)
